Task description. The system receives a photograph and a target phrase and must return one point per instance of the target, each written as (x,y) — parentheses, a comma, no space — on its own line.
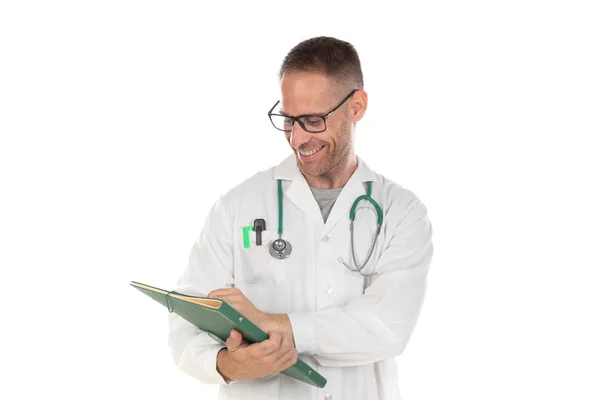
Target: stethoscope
(281,248)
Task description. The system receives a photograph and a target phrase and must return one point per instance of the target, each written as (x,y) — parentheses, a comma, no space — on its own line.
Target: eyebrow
(303,115)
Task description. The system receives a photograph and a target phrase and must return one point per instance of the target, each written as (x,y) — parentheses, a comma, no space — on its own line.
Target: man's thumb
(234,341)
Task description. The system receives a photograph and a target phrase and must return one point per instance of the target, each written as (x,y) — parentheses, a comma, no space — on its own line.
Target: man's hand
(267,322)
(241,361)
(236,299)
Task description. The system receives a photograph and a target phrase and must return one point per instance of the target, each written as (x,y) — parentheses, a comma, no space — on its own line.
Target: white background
(121,123)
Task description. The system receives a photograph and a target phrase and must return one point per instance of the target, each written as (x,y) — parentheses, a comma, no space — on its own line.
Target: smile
(311,152)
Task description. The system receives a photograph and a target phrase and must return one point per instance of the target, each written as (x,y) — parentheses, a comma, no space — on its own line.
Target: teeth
(310,153)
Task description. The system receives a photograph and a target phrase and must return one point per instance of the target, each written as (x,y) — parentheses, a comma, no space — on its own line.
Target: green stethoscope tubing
(366,197)
(280,201)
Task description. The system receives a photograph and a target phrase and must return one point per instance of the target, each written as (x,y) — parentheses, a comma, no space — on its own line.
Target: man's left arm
(377,324)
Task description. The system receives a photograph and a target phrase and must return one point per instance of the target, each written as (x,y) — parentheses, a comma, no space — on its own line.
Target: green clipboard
(218,318)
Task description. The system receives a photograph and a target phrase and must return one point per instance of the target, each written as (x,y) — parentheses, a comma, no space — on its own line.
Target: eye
(313,121)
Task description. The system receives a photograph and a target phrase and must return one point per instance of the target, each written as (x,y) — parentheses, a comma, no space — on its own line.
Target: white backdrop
(121,123)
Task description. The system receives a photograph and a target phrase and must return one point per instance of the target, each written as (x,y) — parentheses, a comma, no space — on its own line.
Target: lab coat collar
(300,194)
(288,170)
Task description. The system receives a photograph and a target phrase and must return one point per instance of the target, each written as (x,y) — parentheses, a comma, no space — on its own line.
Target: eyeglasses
(312,123)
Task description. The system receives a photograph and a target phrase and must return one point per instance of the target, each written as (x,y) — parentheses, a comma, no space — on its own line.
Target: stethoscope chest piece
(280,249)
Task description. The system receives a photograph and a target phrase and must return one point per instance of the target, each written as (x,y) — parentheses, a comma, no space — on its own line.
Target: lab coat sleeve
(210,267)
(377,324)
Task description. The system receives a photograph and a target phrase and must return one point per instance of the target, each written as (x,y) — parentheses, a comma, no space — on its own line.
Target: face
(313,93)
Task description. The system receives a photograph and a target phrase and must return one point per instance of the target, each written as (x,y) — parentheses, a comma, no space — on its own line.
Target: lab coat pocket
(258,267)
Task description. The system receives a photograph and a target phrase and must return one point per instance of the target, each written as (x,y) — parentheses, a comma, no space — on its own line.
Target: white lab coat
(347,327)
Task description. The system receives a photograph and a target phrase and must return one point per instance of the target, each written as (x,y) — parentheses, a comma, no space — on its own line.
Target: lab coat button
(328,396)
(328,290)
(324,238)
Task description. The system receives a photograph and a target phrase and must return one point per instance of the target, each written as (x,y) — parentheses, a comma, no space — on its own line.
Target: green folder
(218,318)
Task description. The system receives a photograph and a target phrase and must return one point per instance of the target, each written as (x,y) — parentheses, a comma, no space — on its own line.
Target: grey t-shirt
(326,198)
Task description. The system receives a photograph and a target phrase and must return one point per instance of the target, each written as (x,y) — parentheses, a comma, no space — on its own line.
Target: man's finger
(271,345)
(287,360)
(234,341)
(232,301)
(285,345)
(276,337)
(229,299)
(222,292)
(226,297)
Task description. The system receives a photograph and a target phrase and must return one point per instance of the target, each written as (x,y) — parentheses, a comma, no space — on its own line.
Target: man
(346,310)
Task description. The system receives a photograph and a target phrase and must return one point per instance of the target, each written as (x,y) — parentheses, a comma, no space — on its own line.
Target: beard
(331,159)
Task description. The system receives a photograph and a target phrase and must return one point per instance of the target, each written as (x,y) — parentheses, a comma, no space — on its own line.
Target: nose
(298,136)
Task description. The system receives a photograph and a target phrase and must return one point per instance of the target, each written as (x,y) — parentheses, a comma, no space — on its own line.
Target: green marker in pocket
(246,235)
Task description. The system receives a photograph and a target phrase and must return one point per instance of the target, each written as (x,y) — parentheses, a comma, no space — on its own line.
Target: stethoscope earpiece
(280,249)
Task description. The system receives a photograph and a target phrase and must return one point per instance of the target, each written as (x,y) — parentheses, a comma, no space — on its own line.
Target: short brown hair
(332,57)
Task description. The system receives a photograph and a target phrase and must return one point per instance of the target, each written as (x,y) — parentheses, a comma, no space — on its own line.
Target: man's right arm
(210,266)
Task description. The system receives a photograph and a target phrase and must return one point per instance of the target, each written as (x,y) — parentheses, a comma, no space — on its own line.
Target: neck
(336,177)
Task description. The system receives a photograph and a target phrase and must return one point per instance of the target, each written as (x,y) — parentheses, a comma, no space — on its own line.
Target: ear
(358,105)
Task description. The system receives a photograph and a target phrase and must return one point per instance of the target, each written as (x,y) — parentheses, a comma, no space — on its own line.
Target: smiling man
(335,269)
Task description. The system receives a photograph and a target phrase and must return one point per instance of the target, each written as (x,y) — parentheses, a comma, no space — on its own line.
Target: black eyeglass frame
(294,119)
